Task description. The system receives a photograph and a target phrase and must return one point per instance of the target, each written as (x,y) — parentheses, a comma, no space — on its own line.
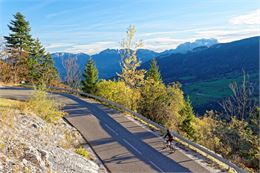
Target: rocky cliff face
(29,144)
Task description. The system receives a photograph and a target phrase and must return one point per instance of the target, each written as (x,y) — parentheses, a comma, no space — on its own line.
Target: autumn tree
(19,45)
(154,101)
(5,68)
(90,77)
(131,75)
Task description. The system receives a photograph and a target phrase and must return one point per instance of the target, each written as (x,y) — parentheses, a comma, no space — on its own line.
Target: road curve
(122,144)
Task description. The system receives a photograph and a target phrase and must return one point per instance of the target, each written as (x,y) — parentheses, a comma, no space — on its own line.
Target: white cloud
(228,34)
(162,43)
(58,45)
(91,48)
(252,18)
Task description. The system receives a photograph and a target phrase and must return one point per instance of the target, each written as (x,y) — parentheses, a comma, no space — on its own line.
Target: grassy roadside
(40,104)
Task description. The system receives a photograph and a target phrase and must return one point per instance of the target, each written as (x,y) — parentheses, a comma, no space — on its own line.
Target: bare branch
(242,103)
(73,74)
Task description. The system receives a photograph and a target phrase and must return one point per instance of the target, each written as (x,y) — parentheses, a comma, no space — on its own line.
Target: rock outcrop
(29,144)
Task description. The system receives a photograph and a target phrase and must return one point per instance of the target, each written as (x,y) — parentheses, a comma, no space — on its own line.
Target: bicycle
(169,145)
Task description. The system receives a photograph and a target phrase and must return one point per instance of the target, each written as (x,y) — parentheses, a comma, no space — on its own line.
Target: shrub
(45,107)
(118,92)
(206,131)
(83,152)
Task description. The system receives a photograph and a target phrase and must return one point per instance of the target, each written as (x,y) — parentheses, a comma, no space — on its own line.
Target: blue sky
(92,25)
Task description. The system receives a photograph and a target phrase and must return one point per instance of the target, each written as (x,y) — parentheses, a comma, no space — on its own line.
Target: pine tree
(188,118)
(153,72)
(129,63)
(90,77)
(41,65)
(49,72)
(18,45)
(37,52)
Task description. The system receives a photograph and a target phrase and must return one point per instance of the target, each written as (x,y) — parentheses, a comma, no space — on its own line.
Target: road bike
(169,145)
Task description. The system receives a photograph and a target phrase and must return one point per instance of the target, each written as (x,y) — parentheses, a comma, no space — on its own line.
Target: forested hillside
(205,74)
(217,61)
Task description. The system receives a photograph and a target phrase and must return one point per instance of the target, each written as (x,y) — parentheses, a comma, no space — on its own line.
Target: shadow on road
(148,153)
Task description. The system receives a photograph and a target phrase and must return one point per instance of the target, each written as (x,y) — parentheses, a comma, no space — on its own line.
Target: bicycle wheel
(171,146)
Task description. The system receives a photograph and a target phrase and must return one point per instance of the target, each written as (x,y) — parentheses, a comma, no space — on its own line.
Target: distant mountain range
(108,60)
(215,61)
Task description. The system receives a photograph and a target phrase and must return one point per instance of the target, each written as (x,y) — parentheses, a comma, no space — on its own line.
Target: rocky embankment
(30,144)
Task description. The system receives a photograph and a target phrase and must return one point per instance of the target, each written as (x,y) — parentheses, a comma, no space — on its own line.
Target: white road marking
(111,129)
(132,147)
(156,166)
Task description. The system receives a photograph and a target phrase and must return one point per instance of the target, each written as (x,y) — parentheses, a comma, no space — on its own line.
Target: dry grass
(8,103)
(42,105)
(39,104)
(7,111)
(67,142)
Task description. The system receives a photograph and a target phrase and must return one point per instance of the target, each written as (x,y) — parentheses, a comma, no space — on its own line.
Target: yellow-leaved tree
(131,75)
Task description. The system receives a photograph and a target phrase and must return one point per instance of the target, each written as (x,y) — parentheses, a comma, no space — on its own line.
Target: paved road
(122,144)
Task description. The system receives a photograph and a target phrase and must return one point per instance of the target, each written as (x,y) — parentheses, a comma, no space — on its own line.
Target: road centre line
(111,129)
(156,166)
(132,146)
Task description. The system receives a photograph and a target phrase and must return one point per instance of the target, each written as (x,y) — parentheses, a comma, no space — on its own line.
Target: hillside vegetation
(205,74)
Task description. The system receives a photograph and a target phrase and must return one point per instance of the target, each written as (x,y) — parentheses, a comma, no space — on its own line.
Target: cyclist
(169,137)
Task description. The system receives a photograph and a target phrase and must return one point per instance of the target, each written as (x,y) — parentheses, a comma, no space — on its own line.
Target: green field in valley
(214,90)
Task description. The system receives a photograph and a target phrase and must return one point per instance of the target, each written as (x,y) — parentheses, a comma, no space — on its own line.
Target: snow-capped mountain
(191,46)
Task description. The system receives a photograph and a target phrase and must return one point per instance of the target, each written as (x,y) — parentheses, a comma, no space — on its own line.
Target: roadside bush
(234,139)
(242,143)
(206,132)
(118,92)
(45,107)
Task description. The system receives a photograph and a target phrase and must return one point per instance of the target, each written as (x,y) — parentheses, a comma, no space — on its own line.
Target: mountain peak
(109,51)
(191,46)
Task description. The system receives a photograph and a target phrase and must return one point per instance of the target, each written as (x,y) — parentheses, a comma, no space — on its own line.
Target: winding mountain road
(122,144)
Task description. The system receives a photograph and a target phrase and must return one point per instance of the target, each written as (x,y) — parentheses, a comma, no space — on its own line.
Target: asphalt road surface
(122,144)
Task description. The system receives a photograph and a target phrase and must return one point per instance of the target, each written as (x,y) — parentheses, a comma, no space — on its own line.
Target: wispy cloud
(228,34)
(162,43)
(58,45)
(90,48)
(251,18)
